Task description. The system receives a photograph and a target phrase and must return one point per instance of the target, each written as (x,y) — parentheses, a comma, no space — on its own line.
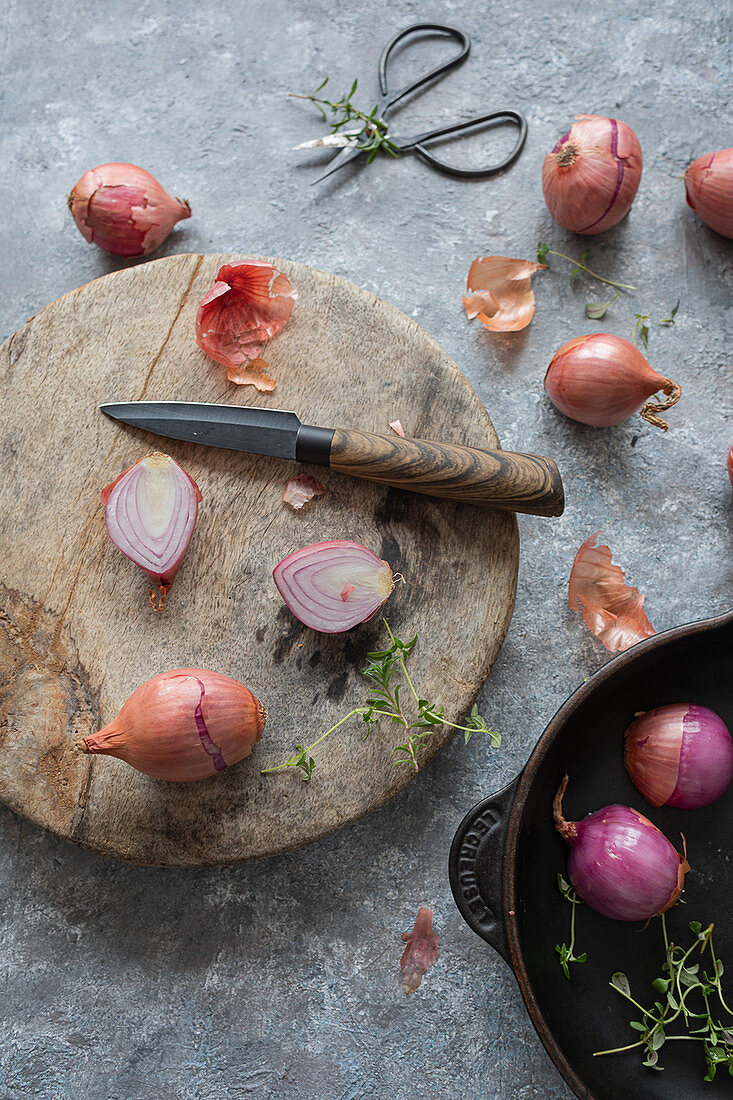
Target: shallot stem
(587,270)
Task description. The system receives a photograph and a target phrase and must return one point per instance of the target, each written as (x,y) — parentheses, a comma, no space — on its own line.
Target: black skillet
(506,855)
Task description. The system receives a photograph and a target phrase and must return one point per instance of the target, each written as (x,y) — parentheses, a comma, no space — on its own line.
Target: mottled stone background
(280,979)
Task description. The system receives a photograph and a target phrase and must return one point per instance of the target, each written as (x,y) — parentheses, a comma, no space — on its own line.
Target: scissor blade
(238,427)
(340,160)
(341,140)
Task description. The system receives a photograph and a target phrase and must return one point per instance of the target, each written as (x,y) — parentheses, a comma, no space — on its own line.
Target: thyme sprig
(371,133)
(565,951)
(386,669)
(689,996)
(544,250)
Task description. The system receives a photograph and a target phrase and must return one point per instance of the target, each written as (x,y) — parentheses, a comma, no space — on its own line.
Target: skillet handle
(476,866)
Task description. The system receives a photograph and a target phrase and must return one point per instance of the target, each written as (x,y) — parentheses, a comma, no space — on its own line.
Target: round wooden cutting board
(77,634)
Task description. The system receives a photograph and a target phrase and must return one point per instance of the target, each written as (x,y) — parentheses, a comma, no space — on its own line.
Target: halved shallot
(150,511)
(332,586)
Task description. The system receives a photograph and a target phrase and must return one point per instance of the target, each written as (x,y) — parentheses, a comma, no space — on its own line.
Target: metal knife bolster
(313,445)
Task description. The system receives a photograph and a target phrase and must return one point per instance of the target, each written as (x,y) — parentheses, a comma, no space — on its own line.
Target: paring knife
(494,479)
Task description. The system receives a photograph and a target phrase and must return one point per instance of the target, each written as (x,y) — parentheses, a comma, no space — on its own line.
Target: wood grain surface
(498,479)
(77,634)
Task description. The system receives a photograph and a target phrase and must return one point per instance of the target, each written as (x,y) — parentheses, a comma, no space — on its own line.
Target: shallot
(591,177)
(620,863)
(124,210)
(601,380)
(709,190)
(183,725)
(332,586)
(679,755)
(150,511)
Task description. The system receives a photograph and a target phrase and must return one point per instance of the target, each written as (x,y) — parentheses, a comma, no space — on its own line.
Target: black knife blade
(237,427)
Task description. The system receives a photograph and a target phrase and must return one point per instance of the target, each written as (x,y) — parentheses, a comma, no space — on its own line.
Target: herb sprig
(567,951)
(688,995)
(371,132)
(544,250)
(386,669)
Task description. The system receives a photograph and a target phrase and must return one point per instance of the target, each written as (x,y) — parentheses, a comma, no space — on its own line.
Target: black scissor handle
(390,98)
(417,144)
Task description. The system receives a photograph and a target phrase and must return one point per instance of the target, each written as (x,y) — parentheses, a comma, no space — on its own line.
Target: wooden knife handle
(494,479)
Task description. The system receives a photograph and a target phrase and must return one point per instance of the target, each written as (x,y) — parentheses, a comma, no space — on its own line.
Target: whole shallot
(679,755)
(602,379)
(124,210)
(620,863)
(182,725)
(591,177)
(709,189)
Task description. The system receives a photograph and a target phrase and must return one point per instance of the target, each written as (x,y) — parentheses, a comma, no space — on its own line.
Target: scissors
(351,141)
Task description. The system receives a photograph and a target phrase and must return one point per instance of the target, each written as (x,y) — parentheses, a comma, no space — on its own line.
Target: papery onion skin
(729,464)
(313,580)
(679,755)
(709,190)
(248,304)
(124,500)
(183,725)
(591,177)
(124,210)
(620,864)
(601,380)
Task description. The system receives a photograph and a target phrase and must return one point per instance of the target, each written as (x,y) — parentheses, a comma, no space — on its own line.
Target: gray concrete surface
(281,979)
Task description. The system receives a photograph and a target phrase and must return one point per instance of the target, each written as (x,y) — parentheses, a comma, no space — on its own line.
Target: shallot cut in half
(421,951)
(602,380)
(150,512)
(332,586)
(499,292)
(183,725)
(709,190)
(591,177)
(679,755)
(620,863)
(247,305)
(299,490)
(124,210)
(612,609)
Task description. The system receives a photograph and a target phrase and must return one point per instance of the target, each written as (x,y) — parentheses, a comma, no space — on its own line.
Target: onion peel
(500,292)
(247,305)
(299,490)
(611,608)
(421,951)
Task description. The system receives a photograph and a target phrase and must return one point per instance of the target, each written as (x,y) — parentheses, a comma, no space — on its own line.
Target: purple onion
(332,586)
(620,863)
(150,512)
(679,755)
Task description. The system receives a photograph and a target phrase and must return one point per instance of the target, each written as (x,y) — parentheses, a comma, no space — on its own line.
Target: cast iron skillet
(506,855)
